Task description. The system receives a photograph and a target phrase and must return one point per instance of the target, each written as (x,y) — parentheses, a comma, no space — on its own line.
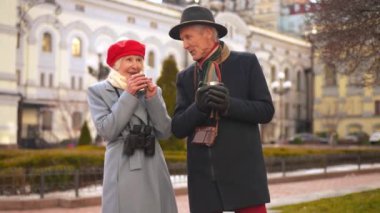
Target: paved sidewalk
(281,193)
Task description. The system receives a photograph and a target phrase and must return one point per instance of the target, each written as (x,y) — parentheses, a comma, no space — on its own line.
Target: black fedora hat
(197,15)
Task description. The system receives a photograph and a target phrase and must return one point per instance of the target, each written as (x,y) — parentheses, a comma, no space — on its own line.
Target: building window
(287,110)
(79,7)
(151,59)
(51,80)
(80,83)
(298,81)
(330,76)
(354,79)
(46,43)
(273,74)
(77,120)
(42,79)
(131,19)
(47,120)
(377,107)
(18,76)
(72,82)
(299,111)
(76,47)
(153,25)
(286,72)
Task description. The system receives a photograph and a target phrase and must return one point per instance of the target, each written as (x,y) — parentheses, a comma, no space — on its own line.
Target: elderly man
(221,99)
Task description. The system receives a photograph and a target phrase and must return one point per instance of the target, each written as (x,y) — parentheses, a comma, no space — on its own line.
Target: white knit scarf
(117,80)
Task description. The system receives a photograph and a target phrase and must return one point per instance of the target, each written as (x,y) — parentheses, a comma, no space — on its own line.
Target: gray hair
(116,66)
(202,27)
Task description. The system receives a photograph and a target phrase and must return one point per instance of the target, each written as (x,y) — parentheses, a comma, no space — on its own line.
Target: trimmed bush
(167,82)
(85,135)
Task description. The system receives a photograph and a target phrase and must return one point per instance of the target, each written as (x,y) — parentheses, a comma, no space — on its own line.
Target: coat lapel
(140,112)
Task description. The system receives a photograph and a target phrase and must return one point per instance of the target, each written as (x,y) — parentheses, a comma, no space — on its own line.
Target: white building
(45,72)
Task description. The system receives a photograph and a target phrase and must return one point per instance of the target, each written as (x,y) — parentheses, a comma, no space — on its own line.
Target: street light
(309,77)
(281,86)
(102,72)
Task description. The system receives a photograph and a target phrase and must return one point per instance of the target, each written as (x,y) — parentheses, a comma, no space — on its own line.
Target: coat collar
(140,112)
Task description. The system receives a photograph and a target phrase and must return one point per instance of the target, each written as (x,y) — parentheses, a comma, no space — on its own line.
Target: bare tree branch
(349,36)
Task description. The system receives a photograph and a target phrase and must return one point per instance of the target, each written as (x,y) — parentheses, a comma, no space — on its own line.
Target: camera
(140,137)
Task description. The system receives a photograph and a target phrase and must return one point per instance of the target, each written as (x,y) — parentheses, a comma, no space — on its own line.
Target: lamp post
(309,77)
(101,72)
(281,86)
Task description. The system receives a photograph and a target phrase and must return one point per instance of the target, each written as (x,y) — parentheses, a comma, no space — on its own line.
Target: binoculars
(140,137)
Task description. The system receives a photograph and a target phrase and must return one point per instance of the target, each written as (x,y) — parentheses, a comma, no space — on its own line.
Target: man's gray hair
(202,26)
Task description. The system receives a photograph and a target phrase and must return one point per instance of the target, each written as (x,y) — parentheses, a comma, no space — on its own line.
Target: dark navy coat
(231,174)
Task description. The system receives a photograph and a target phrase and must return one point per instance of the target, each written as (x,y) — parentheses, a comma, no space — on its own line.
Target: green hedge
(92,156)
(77,158)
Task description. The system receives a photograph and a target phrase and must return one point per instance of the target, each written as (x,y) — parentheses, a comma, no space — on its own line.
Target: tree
(85,136)
(347,37)
(167,82)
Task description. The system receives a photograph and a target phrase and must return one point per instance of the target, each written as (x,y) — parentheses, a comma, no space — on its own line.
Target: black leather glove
(219,98)
(202,99)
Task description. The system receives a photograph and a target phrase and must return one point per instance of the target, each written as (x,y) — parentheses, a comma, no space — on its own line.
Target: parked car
(355,138)
(307,138)
(375,138)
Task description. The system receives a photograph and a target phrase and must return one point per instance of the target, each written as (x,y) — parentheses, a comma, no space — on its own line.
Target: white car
(375,138)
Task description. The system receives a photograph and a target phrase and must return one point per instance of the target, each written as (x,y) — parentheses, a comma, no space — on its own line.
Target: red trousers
(253,209)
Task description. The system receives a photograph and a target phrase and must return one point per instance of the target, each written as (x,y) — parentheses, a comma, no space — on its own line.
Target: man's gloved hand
(219,98)
(202,99)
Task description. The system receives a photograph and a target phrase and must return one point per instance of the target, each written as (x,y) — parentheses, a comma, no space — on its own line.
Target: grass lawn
(363,202)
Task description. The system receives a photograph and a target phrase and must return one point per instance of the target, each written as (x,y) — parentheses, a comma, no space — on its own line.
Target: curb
(320,176)
(29,204)
(49,203)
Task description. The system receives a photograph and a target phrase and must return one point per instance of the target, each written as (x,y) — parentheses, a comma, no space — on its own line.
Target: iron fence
(39,181)
(26,182)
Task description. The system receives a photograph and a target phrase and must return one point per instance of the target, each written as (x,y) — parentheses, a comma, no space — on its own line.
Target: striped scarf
(208,67)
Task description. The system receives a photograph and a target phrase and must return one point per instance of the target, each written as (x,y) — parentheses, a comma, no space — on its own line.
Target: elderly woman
(129,112)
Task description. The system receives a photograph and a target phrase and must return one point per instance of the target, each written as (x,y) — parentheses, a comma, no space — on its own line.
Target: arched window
(76,47)
(46,42)
(354,128)
(273,73)
(151,59)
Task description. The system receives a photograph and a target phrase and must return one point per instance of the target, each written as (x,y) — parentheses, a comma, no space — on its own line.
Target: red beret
(124,48)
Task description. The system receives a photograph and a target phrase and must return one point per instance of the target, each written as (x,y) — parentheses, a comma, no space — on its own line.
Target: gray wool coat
(138,183)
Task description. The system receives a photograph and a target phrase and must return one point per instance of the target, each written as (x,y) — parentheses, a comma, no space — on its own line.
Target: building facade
(9,95)
(51,46)
(344,107)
